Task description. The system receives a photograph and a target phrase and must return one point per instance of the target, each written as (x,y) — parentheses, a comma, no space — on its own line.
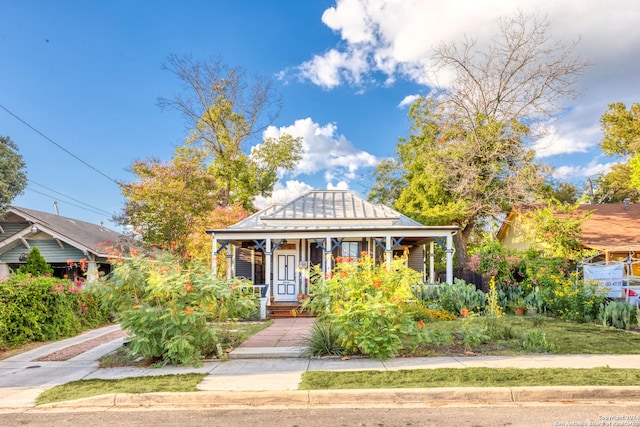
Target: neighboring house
(613,229)
(60,241)
(274,246)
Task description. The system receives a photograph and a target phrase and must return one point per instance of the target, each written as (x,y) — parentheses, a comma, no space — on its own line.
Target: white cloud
(408,100)
(324,150)
(570,173)
(283,193)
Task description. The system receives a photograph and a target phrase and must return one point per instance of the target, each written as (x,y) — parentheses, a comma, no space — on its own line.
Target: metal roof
(319,210)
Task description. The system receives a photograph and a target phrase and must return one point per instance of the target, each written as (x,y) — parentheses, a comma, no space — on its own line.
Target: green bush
(35,264)
(45,308)
(167,306)
(364,302)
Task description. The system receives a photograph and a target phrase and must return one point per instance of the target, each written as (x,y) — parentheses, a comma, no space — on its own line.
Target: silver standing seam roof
(325,209)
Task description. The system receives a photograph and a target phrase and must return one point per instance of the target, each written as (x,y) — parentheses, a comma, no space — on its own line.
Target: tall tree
(225,112)
(170,201)
(466,158)
(621,137)
(13,179)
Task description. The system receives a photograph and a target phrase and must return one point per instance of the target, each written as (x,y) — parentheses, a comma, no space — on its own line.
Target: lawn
(469,377)
(562,337)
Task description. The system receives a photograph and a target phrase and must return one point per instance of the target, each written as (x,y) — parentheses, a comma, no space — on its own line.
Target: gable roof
(90,238)
(610,227)
(326,209)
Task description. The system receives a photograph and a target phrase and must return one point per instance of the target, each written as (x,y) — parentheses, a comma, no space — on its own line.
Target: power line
(71,198)
(69,203)
(58,145)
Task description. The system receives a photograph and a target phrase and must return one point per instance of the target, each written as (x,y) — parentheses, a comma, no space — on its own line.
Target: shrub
(35,264)
(166,306)
(364,303)
(45,308)
(491,259)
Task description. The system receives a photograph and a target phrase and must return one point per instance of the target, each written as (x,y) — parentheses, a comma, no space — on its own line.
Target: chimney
(55,206)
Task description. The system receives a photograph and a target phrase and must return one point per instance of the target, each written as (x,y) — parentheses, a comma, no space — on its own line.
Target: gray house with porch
(274,247)
(62,241)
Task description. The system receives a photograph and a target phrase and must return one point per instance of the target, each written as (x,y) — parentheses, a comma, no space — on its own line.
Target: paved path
(272,371)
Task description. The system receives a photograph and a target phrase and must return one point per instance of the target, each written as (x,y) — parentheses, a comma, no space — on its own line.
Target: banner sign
(607,276)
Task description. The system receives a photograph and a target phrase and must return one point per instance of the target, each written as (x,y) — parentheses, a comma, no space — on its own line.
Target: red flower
(420,324)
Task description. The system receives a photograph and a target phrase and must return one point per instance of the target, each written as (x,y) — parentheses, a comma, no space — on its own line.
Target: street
(535,414)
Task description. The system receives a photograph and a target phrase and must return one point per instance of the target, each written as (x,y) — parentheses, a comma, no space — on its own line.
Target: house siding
(49,249)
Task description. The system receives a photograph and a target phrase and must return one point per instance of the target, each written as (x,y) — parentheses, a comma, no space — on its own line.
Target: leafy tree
(35,264)
(560,191)
(556,230)
(621,130)
(224,111)
(617,185)
(466,159)
(621,137)
(13,179)
(171,204)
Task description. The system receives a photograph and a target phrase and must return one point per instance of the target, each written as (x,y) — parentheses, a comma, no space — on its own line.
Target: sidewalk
(267,369)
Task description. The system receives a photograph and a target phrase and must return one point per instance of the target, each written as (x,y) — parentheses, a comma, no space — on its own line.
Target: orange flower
(188,287)
(188,310)
(420,324)
(377,283)
(344,273)
(464,312)
(70,262)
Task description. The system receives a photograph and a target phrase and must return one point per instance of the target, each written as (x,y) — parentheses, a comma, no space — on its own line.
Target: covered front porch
(275,248)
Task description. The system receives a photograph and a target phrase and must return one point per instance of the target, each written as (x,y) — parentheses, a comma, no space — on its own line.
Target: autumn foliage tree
(214,178)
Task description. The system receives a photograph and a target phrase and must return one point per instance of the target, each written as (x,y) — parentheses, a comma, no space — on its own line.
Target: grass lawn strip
(95,387)
(469,377)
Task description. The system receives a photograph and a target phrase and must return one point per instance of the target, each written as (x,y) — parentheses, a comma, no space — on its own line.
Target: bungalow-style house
(274,247)
(62,241)
(613,229)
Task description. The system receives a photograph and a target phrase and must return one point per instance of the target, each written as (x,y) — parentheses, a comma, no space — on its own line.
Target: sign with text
(607,276)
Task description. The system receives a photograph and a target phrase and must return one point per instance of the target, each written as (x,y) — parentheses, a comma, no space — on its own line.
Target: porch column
(388,251)
(450,252)
(230,251)
(432,257)
(214,256)
(92,271)
(267,267)
(327,255)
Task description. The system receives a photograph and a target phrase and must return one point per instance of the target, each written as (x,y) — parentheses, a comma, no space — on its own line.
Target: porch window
(350,249)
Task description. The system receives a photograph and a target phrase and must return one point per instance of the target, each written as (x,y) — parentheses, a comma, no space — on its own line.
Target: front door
(286,285)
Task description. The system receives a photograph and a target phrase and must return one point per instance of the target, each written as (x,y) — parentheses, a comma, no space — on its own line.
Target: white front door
(286,283)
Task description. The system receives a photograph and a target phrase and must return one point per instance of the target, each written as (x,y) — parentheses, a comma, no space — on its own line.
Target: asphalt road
(535,414)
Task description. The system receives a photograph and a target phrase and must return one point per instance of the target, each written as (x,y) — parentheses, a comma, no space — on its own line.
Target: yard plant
(167,307)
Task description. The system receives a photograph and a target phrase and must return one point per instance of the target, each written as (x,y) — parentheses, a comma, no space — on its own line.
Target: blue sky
(88,74)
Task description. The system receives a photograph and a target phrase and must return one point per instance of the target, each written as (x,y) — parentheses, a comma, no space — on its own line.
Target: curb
(417,396)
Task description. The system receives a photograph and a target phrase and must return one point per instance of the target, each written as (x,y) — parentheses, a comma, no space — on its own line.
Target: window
(350,249)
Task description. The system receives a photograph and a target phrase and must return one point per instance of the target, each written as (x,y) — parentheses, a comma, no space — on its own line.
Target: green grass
(87,388)
(469,377)
(564,337)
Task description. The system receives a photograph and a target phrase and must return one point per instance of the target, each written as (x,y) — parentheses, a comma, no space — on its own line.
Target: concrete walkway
(270,373)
